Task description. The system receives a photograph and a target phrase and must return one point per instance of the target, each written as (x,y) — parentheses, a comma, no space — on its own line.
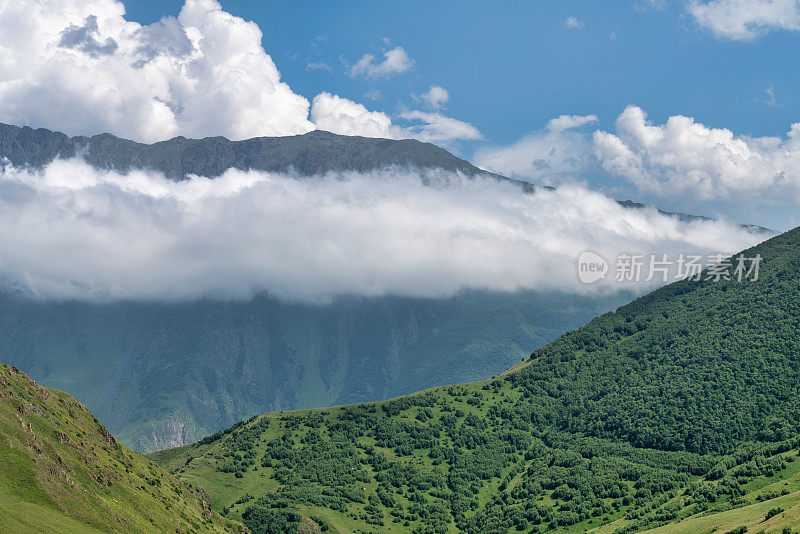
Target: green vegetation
(680,411)
(162,375)
(61,471)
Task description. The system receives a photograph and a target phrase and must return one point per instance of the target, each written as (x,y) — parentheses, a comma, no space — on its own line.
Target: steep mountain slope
(61,471)
(312,153)
(161,375)
(681,408)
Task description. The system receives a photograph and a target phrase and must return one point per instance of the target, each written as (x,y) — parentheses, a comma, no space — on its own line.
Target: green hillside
(61,471)
(680,410)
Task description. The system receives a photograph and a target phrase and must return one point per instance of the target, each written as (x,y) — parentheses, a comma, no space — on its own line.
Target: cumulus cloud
(394,61)
(72,231)
(680,158)
(684,156)
(81,67)
(746,19)
(560,151)
(340,115)
(436,97)
(436,128)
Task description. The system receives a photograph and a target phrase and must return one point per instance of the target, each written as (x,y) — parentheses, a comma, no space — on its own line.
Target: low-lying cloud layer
(72,231)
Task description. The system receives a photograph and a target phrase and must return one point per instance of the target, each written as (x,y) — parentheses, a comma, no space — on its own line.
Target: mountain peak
(315,152)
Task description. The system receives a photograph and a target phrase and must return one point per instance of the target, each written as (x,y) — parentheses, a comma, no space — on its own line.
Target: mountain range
(164,374)
(316,152)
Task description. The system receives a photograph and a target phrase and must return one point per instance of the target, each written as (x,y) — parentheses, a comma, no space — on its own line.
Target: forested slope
(681,406)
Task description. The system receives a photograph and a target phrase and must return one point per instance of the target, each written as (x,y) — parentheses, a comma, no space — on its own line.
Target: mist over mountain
(174,295)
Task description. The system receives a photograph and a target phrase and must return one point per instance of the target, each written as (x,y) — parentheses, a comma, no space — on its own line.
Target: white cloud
(314,65)
(683,156)
(770,100)
(436,128)
(746,19)
(436,97)
(573,23)
(79,66)
(568,122)
(559,151)
(394,61)
(72,231)
(680,158)
(340,115)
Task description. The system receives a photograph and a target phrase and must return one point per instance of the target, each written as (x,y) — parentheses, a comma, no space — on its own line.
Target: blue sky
(511,66)
(688,105)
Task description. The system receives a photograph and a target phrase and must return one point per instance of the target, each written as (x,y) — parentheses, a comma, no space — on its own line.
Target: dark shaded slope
(313,153)
(161,375)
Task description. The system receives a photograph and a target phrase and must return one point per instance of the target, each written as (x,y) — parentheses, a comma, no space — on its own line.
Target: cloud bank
(684,156)
(680,158)
(72,231)
(80,67)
